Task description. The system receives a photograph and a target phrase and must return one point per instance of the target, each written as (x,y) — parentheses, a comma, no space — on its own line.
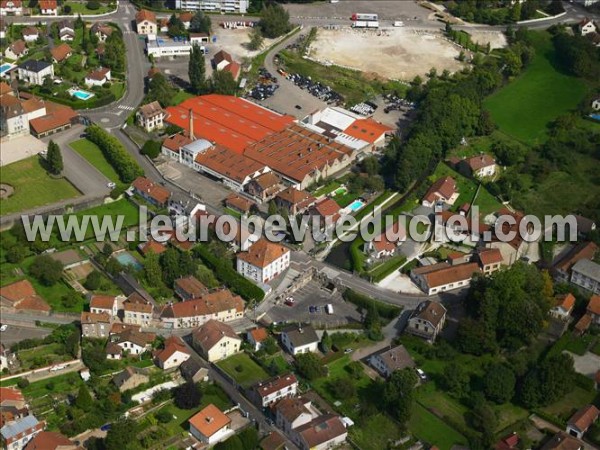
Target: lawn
(33,186)
(43,355)
(243,370)
(382,270)
(427,427)
(123,207)
(565,407)
(92,153)
(81,8)
(525,106)
(277,360)
(327,188)
(375,433)
(181,96)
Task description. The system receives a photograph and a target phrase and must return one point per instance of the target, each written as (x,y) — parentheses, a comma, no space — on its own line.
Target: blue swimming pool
(81,94)
(127,259)
(595,116)
(5,67)
(356,205)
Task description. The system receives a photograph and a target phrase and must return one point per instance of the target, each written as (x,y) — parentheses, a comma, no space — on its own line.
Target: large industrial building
(230,6)
(237,141)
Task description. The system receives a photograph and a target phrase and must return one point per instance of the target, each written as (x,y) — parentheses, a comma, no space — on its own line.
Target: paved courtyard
(23,147)
(587,364)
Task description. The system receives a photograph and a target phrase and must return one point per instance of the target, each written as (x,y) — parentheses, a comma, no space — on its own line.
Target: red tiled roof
(10,394)
(442,274)
(18,47)
(584,323)
(151,109)
(186,16)
(98,74)
(234,68)
(321,430)
(209,334)
(259,334)
(191,285)
(445,186)
(480,161)
(102,301)
(367,129)
(583,250)
(327,209)
(56,116)
(144,14)
(50,440)
(30,31)
(172,344)
(263,253)
(152,246)
(16,3)
(508,442)
(221,56)
(566,301)
(296,197)
(238,202)
(22,295)
(268,387)
(33,104)
(135,303)
(594,305)
(226,120)
(206,305)
(5,88)
(158,193)
(584,418)
(175,142)
(232,165)
(490,256)
(47,4)
(89,318)
(60,52)
(209,420)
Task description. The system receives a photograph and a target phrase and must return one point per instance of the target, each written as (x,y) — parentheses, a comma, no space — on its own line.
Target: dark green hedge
(362,301)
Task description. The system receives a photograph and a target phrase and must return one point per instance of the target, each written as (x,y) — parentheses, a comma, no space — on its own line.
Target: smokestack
(192,137)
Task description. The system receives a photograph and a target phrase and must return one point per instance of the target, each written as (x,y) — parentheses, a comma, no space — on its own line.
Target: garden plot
(400,53)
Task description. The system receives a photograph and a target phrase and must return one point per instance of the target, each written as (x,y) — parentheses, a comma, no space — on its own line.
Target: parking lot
(309,307)
(15,333)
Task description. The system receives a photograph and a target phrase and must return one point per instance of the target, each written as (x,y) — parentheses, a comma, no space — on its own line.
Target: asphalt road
(16,333)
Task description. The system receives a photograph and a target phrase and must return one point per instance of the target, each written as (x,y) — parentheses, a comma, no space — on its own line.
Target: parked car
(3,327)
(422,375)
(106,427)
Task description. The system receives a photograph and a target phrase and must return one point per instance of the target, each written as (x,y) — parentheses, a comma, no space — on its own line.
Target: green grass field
(33,186)
(243,370)
(566,406)
(81,8)
(427,427)
(43,355)
(375,433)
(92,154)
(524,107)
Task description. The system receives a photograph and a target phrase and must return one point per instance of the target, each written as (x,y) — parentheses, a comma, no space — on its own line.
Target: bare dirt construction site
(496,39)
(395,53)
(234,41)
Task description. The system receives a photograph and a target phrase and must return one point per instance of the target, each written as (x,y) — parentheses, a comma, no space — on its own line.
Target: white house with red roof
(563,307)
(11,8)
(48,7)
(210,425)
(266,393)
(108,304)
(263,261)
(98,77)
(174,353)
(256,337)
(442,190)
(386,243)
(586,26)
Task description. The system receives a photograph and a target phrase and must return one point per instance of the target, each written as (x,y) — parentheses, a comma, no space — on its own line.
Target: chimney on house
(192,137)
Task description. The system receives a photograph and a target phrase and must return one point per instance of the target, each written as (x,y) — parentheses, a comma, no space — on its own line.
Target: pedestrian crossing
(126,108)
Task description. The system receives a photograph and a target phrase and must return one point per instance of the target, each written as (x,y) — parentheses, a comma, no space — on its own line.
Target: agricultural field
(33,186)
(525,106)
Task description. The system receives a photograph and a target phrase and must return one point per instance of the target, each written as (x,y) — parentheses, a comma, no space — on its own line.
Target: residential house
(584,225)
(461,227)
(427,321)
(390,360)
(326,212)
(192,371)
(323,432)
(272,441)
(480,166)
(163,25)
(48,7)
(294,201)
(442,277)
(221,60)
(95,325)
(264,187)
(130,378)
(593,309)
(174,353)
(563,306)
(102,31)
(263,261)
(97,77)
(66,31)
(219,305)
(563,441)
(108,304)
(137,310)
(58,118)
(582,420)
(146,22)
(35,72)
(30,34)
(210,425)
(186,18)
(267,393)
(14,120)
(151,192)
(16,50)
(131,342)
(7,359)
(188,288)
(513,249)
(239,204)
(151,116)
(586,274)
(16,434)
(11,7)
(586,26)
(596,104)
(583,324)
(256,337)
(234,68)
(21,295)
(509,442)
(61,52)
(51,440)
(562,267)
(386,244)
(299,339)
(490,260)
(443,190)
(216,340)
(12,404)
(293,412)
(152,246)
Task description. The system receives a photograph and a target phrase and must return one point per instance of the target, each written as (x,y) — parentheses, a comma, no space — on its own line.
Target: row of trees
(161,271)
(503,11)
(124,164)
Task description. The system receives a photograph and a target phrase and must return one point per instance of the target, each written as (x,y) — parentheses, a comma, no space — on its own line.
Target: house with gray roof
(586,274)
(387,362)
(17,433)
(299,338)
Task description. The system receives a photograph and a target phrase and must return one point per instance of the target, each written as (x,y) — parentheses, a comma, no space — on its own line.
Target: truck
(363,16)
(329,308)
(365,24)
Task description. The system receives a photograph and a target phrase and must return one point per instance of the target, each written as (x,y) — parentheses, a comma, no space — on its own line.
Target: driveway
(587,364)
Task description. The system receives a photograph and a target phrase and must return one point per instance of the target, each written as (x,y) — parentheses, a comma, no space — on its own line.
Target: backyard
(82,8)
(33,186)
(525,106)
(243,370)
(429,428)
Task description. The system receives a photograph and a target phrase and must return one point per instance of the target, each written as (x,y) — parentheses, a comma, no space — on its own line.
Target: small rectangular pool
(356,205)
(5,68)
(81,94)
(595,116)
(127,259)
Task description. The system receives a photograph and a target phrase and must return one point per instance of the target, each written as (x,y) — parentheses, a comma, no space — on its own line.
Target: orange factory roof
(229,121)
(367,129)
